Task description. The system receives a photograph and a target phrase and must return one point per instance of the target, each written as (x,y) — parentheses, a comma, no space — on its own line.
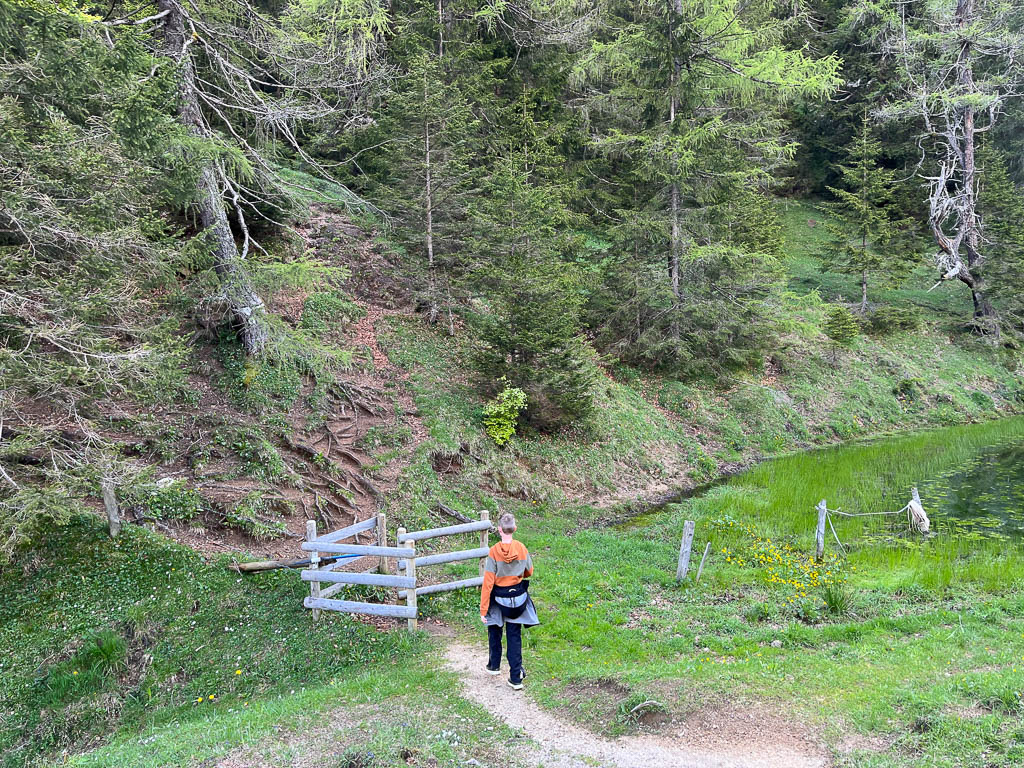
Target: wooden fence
(408,563)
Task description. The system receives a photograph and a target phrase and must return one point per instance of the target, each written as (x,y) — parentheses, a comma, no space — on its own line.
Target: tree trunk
(864,292)
(675,246)
(110,504)
(971,276)
(245,305)
(431,277)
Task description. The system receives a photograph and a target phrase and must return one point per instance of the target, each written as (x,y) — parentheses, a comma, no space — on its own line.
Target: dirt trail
(737,741)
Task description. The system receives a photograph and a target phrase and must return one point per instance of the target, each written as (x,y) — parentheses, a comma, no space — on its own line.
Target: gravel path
(739,740)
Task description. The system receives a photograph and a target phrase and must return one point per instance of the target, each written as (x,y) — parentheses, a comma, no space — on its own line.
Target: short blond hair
(507,523)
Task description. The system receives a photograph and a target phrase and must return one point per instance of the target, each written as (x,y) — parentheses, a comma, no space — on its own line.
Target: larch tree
(245,80)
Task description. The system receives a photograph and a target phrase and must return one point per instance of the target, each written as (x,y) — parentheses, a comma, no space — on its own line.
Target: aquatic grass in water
(971,481)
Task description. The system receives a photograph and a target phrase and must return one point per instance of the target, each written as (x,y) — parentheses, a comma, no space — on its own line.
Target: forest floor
(146,652)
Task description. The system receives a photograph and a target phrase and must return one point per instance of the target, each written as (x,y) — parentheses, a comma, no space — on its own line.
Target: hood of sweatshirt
(510,552)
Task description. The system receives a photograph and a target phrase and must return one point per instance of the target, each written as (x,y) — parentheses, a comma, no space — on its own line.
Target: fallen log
(273,565)
(454,513)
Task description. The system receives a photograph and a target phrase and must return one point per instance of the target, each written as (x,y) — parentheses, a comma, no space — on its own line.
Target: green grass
(388,715)
(920,645)
(117,647)
(949,305)
(103,637)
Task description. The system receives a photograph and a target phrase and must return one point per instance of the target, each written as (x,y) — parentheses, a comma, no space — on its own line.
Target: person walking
(505,600)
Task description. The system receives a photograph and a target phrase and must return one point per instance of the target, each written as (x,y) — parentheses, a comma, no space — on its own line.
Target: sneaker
(517,686)
(493,670)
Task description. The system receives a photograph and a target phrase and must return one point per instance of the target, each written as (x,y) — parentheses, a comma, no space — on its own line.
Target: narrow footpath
(736,742)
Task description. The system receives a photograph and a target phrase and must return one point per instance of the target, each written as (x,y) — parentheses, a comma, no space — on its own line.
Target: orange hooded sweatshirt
(506,565)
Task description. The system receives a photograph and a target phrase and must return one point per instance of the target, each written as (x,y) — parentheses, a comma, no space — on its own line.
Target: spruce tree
(868,236)
(840,326)
(1002,211)
(684,103)
(528,327)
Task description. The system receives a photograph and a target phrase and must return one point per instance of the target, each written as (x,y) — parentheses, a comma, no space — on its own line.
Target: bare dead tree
(962,61)
(245,79)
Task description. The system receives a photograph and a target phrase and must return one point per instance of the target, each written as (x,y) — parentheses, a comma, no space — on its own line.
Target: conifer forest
(631,270)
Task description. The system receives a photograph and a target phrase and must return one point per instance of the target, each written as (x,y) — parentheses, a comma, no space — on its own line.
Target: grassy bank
(102,637)
(384,716)
(907,652)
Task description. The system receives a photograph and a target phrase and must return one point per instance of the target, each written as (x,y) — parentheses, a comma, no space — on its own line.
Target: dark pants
(515,649)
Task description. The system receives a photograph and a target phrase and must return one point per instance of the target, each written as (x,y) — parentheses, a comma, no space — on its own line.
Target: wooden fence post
(410,593)
(684,550)
(314,564)
(700,570)
(484,541)
(399,570)
(110,504)
(819,534)
(382,541)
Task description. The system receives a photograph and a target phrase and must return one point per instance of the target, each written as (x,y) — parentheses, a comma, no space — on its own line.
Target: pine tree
(840,326)
(869,237)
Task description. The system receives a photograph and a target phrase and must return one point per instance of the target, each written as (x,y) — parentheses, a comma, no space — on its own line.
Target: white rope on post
(917,519)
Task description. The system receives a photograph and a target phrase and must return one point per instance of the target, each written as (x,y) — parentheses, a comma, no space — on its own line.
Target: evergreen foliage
(869,237)
(562,183)
(529,327)
(840,326)
(1003,215)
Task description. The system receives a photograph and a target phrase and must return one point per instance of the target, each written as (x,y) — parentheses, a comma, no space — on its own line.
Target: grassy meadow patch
(104,636)
(915,642)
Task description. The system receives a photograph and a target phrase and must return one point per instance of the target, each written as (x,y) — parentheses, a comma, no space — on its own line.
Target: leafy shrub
(888,319)
(502,413)
(330,309)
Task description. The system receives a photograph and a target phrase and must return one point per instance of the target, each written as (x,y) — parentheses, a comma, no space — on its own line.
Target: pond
(985,493)
(971,478)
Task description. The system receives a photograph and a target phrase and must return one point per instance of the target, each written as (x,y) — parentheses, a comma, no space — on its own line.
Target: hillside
(246,452)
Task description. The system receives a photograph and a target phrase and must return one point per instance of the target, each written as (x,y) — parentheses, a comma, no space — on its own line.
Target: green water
(986,494)
(971,480)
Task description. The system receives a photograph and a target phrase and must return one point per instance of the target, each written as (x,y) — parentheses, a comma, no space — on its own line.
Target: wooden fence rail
(407,564)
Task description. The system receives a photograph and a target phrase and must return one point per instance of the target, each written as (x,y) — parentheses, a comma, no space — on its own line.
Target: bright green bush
(502,413)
